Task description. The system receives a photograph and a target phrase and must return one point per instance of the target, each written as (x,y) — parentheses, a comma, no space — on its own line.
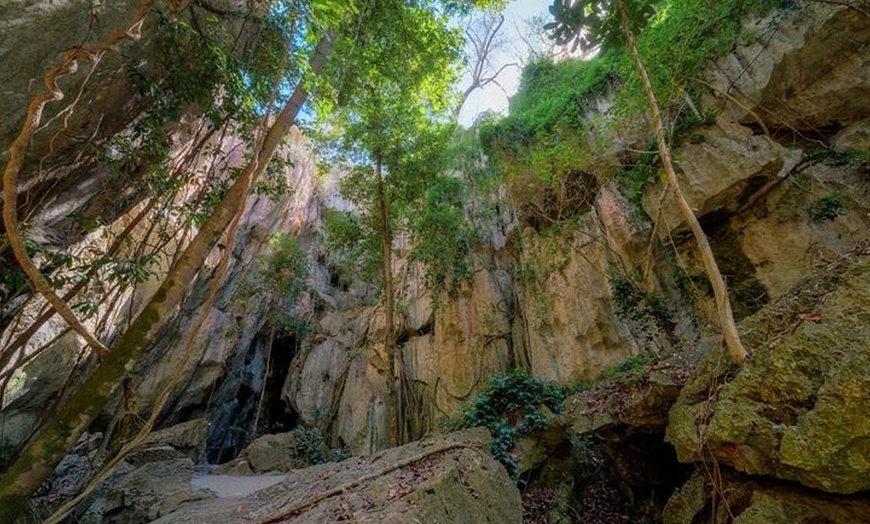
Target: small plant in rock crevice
(510,408)
(629,372)
(827,208)
(648,310)
(309,446)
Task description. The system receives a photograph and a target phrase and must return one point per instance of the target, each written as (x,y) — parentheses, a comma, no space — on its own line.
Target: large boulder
(295,449)
(805,70)
(722,168)
(743,500)
(148,493)
(774,506)
(450,479)
(188,438)
(639,402)
(797,409)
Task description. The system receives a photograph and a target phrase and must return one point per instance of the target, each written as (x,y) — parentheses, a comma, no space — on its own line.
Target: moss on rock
(797,410)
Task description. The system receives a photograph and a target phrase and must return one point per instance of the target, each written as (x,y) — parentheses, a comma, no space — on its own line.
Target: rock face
(722,170)
(34,36)
(810,73)
(449,479)
(797,409)
(572,335)
(748,501)
(33,387)
(470,342)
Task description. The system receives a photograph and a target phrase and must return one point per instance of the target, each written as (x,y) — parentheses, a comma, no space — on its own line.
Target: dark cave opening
(621,476)
(248,402)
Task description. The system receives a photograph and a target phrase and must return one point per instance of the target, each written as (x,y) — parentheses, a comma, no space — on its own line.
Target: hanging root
(53,93)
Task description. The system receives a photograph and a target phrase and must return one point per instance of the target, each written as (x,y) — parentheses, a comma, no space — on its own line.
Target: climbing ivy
(510,408)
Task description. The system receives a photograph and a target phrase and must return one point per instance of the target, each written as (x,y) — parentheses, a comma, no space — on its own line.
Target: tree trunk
(60,433)
(720,290)
(393,396)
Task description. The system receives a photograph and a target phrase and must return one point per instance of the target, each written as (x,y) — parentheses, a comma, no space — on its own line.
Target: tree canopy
(594,24)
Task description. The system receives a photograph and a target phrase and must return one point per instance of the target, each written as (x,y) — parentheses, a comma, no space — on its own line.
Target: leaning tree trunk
(726,317)
(61,431)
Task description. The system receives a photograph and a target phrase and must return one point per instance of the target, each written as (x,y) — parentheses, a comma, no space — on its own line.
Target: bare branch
(485,39)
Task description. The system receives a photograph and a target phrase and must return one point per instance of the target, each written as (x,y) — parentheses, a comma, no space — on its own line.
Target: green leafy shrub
(510,408)
(551,97)
(442,240)
(353,246)
(309,446)
(629,372)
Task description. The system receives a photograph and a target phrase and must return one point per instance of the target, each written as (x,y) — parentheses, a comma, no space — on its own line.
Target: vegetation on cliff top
(556,102)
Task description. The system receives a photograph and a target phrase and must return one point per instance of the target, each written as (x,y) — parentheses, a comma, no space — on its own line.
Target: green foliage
(388,124)
(274,182)
(510,408)
(205,67)
(700,30)
(364,84)
(636,177)
(309,445)
(482,183)
(676,44)
(279,278)
(592,24)
(852,157)
(466,156)
(353,242)
(13,280)
(551,99)
(442,240)
(828,207)
(629,372)
(198,69)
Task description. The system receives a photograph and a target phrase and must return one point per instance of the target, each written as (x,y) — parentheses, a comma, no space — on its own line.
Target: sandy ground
(229,486)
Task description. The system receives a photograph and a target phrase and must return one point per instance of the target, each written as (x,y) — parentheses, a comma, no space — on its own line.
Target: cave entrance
(250,402)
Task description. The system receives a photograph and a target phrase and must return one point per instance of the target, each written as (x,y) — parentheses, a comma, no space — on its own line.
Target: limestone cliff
(568,283)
